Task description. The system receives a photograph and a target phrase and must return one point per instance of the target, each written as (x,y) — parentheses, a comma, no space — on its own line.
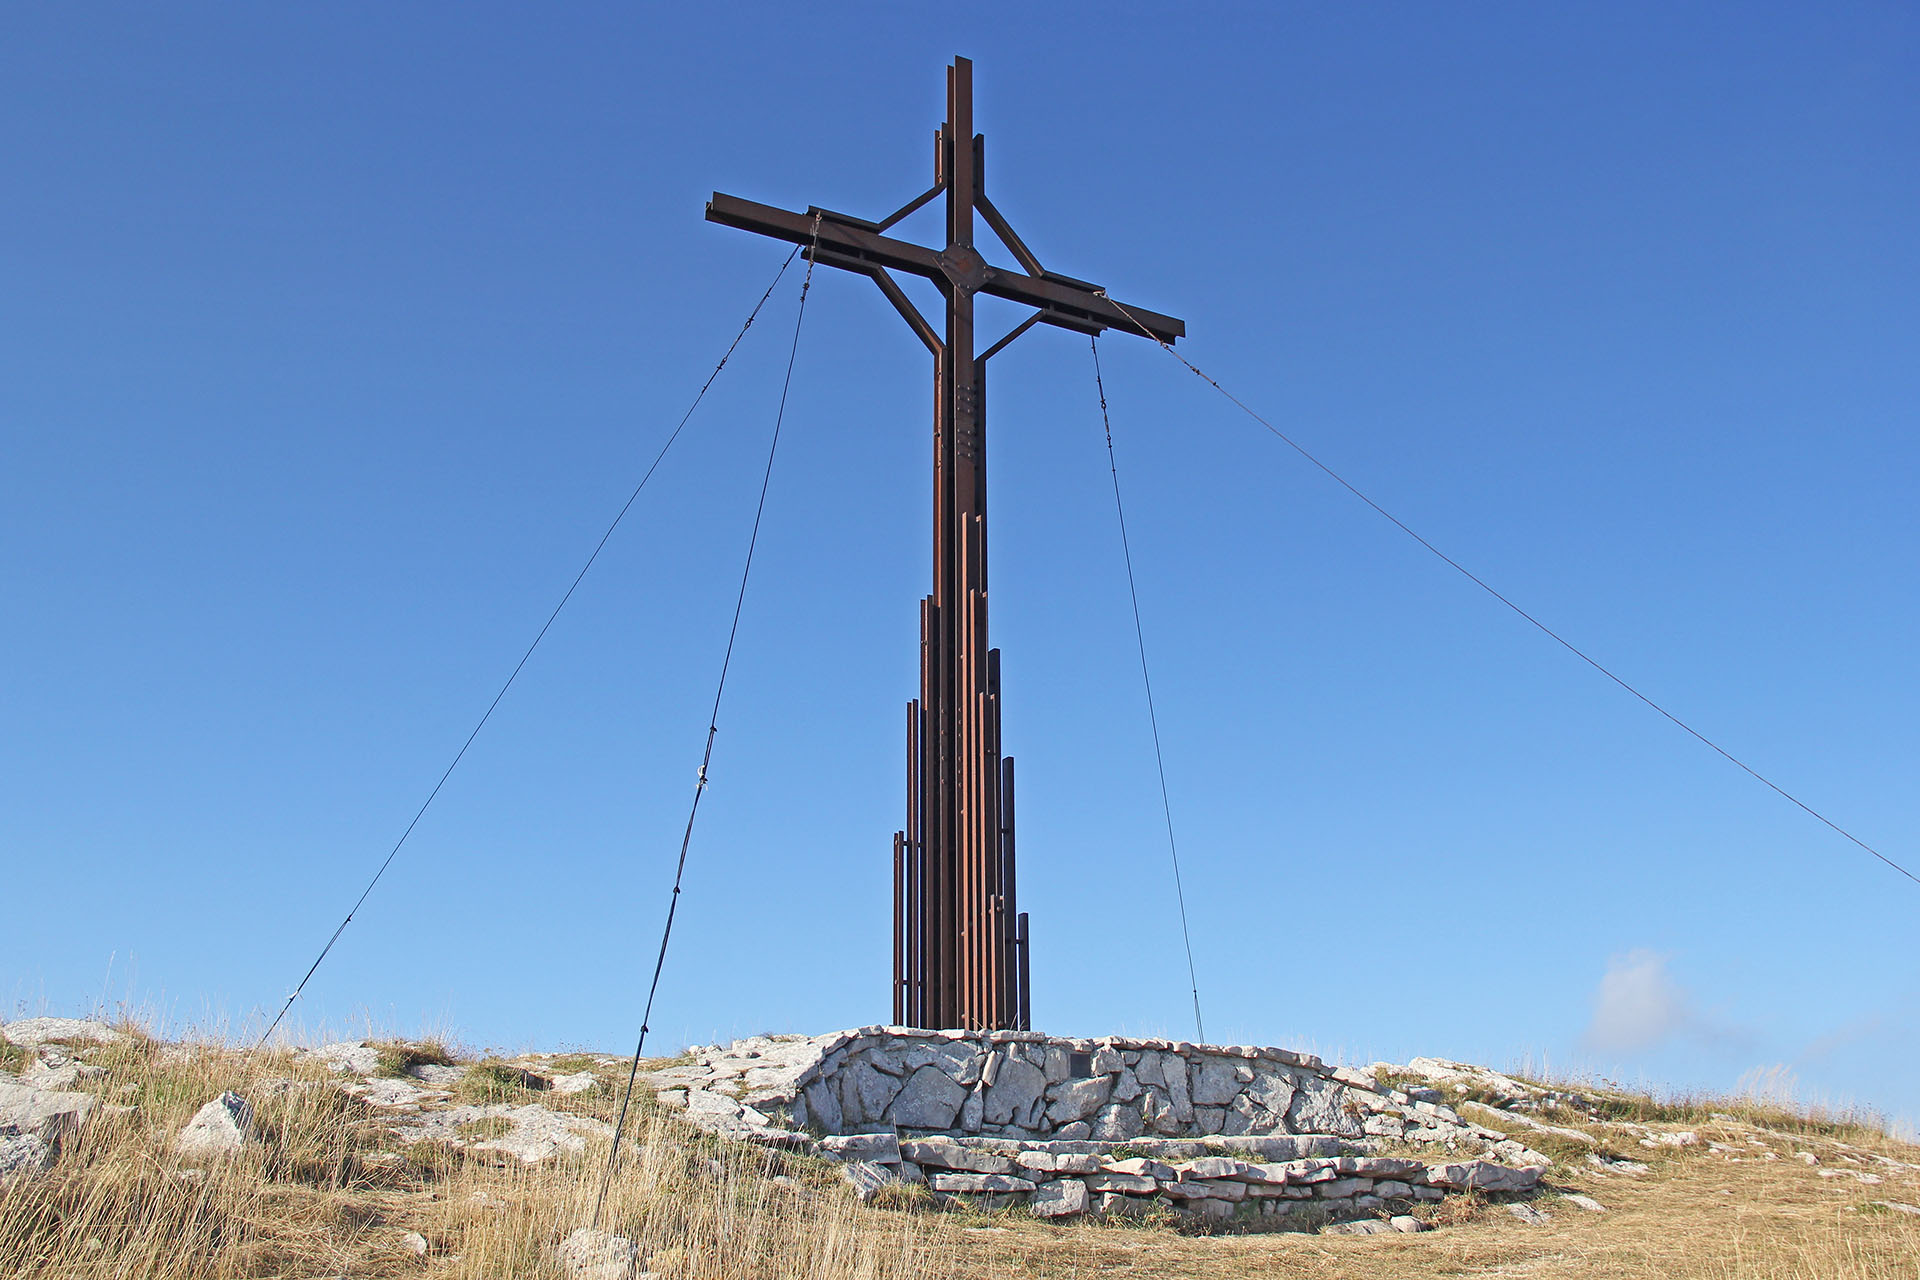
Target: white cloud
(1638,1005)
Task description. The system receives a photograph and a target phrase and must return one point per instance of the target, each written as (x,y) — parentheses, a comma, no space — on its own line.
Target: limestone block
(1077,1099)
(1339,1188)
(1216,1167)
(1158,1114)
(1483,1175)
(1224,1188)
(930,1099)
(1319,1107)
(1213,1083)
(865,1093)
(587,1254)
(1118,1122)
(945,1153)
(220,1127)
(1126,1086)
(1214,1210)
(882,1148)
(960,1062)
(1115,1204)
(868,1178)
(1209,1119)
(1246,1116)
(22,1154)
(1062,1198)
(1272,1090)
(1107,1062)
(971,1111)
(1140,1166)
(1017,1086)
(1133,1183)
(823,1107)
(977,1183)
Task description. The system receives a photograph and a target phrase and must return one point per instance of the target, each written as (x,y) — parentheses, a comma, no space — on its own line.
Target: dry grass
(332,1192)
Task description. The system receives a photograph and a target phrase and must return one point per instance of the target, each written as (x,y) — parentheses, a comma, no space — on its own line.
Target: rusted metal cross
(960,942)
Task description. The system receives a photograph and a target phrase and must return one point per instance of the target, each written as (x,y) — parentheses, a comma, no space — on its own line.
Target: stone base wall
(1028,1086)
(1112,1125)
(1067,1179)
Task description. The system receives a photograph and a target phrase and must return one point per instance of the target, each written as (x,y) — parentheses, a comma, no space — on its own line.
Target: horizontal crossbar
(1068,304)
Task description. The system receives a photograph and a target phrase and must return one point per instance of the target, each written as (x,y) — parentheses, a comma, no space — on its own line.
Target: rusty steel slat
(899,927)
(1025,1018)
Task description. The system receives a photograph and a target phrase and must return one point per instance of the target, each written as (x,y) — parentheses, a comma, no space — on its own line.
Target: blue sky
(334,337)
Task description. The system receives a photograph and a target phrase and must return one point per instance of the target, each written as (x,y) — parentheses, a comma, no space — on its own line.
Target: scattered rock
(578,1082)
(1585,1202)
(34,1032)
(1897,1207)
(588,1254)
(1527,1214)
(219,1128)
(22,1154)
(1406,1222)
(1685,1138)
(536,1134)
(393,1093)
(1364,1227)
(414,1243)
(353,1058)
(436,1074)
(50,1113)
(53,1068)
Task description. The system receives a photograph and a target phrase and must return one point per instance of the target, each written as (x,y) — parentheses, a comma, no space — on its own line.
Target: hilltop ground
(390,1159)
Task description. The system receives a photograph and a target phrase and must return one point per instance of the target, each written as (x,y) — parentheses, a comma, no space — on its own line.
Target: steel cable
(515,674)
(1146,678)
(1549,632)
(713,729)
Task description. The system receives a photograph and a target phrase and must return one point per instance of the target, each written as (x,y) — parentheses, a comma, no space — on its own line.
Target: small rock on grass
(1364,1227)
(221,1126)
(414,1243)
(1527,1214)
(590,1254)
(37,1031)
(22,1153)
(1585,1202)
(1406,1222)
(1896,1207)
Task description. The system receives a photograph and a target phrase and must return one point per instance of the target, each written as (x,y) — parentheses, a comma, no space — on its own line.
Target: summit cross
(960,946)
